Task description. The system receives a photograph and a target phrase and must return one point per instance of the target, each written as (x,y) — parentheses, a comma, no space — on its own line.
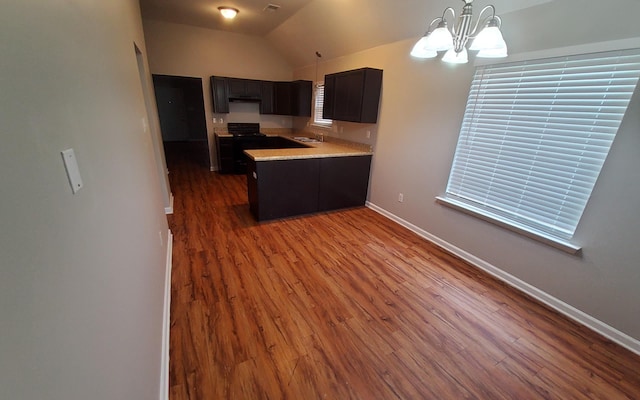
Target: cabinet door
(282,98)
(328,107)
(302,98)
(266,97)
(371,95)
(244,88)
(283,188)
(219,95)
(253,88)
(224,151)
(236,87)
(344,182)
(348,95)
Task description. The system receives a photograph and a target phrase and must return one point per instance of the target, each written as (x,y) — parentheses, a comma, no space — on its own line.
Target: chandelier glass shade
(487,40)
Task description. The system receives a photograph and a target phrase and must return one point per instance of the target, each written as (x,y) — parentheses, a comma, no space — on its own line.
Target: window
(317,106)
(534,137)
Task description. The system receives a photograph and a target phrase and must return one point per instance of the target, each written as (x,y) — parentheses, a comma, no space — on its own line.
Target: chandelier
(488,41)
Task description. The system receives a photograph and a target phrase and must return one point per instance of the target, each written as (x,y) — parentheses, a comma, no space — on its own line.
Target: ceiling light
(228,12)
(488,41)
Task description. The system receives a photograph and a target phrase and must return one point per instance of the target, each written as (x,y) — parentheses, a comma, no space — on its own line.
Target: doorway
(180,104)
(150,126)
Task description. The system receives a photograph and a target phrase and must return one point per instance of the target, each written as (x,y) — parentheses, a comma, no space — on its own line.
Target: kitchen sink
(306,139)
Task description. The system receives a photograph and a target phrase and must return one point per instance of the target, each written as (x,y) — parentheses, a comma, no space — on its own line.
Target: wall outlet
(215,120)
(368,134)
(400,197)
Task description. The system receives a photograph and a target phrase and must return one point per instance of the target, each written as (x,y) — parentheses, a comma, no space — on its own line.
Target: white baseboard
(166,322)
(169,209)
(579,316)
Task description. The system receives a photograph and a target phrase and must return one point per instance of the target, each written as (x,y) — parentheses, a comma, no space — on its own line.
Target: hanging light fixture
(488,41)
(228,12)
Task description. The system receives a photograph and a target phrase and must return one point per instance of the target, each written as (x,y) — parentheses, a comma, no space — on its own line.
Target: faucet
(319,136)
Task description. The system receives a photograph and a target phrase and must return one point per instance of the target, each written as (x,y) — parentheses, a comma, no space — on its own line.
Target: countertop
(315,150)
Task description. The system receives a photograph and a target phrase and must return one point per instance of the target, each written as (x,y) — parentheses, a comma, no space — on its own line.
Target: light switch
(71,165)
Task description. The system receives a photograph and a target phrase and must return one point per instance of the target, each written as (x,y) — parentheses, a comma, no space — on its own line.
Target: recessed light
(228,12)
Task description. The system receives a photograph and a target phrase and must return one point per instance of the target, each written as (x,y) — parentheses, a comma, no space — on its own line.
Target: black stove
(243,129)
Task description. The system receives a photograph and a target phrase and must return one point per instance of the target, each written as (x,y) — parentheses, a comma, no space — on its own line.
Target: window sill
(560,244)
(317,125)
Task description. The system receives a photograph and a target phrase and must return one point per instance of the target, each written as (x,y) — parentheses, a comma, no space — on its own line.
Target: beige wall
(421,109)
(81,276)
(183,50)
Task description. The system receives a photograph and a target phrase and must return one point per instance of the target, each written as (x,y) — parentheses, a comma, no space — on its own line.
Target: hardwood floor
(349,305)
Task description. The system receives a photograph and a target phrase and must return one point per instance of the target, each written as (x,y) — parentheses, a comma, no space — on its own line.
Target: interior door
(172,112)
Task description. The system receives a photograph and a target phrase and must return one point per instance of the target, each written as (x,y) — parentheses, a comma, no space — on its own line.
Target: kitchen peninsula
(323,176)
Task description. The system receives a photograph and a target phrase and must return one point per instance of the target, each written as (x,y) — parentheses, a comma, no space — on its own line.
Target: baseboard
(166,322)
(169,209)
(581,317)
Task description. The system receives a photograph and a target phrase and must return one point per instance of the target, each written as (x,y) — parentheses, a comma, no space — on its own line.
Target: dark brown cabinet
(249,89)
(328,105)
(353,95)
(280,98)
(220,95)
(302,93)
(224,151)
(283,98)
(292,98)
(266,97)
(344,182)
(285,188)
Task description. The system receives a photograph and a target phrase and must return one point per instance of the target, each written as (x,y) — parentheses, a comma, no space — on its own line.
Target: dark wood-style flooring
(349,305)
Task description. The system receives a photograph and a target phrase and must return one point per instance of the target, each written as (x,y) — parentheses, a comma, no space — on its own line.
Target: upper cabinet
(353,96)
(280,98)
(249,89)
(302,93)
(220,95)
(266,97)
(293,98)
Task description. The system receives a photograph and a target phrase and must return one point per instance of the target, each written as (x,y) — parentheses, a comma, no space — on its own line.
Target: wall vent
(271,7)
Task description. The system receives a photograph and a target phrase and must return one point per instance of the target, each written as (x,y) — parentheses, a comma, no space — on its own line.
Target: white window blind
(535,135)
(317,107)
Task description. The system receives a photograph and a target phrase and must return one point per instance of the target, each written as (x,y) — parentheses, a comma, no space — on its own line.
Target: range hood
(245,99)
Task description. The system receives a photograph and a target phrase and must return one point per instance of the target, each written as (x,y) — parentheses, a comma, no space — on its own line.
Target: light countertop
(315,150)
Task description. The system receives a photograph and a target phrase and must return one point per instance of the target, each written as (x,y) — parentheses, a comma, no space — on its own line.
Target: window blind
(317,107)
(535,135)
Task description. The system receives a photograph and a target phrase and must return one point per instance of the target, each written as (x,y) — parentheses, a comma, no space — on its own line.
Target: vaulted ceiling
(299,28)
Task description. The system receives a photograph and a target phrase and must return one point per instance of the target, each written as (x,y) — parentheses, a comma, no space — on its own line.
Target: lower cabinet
(344,182)
(224,151)
(285,188)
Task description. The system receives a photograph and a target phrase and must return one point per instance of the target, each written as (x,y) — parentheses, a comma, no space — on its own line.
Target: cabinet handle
(255,176)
